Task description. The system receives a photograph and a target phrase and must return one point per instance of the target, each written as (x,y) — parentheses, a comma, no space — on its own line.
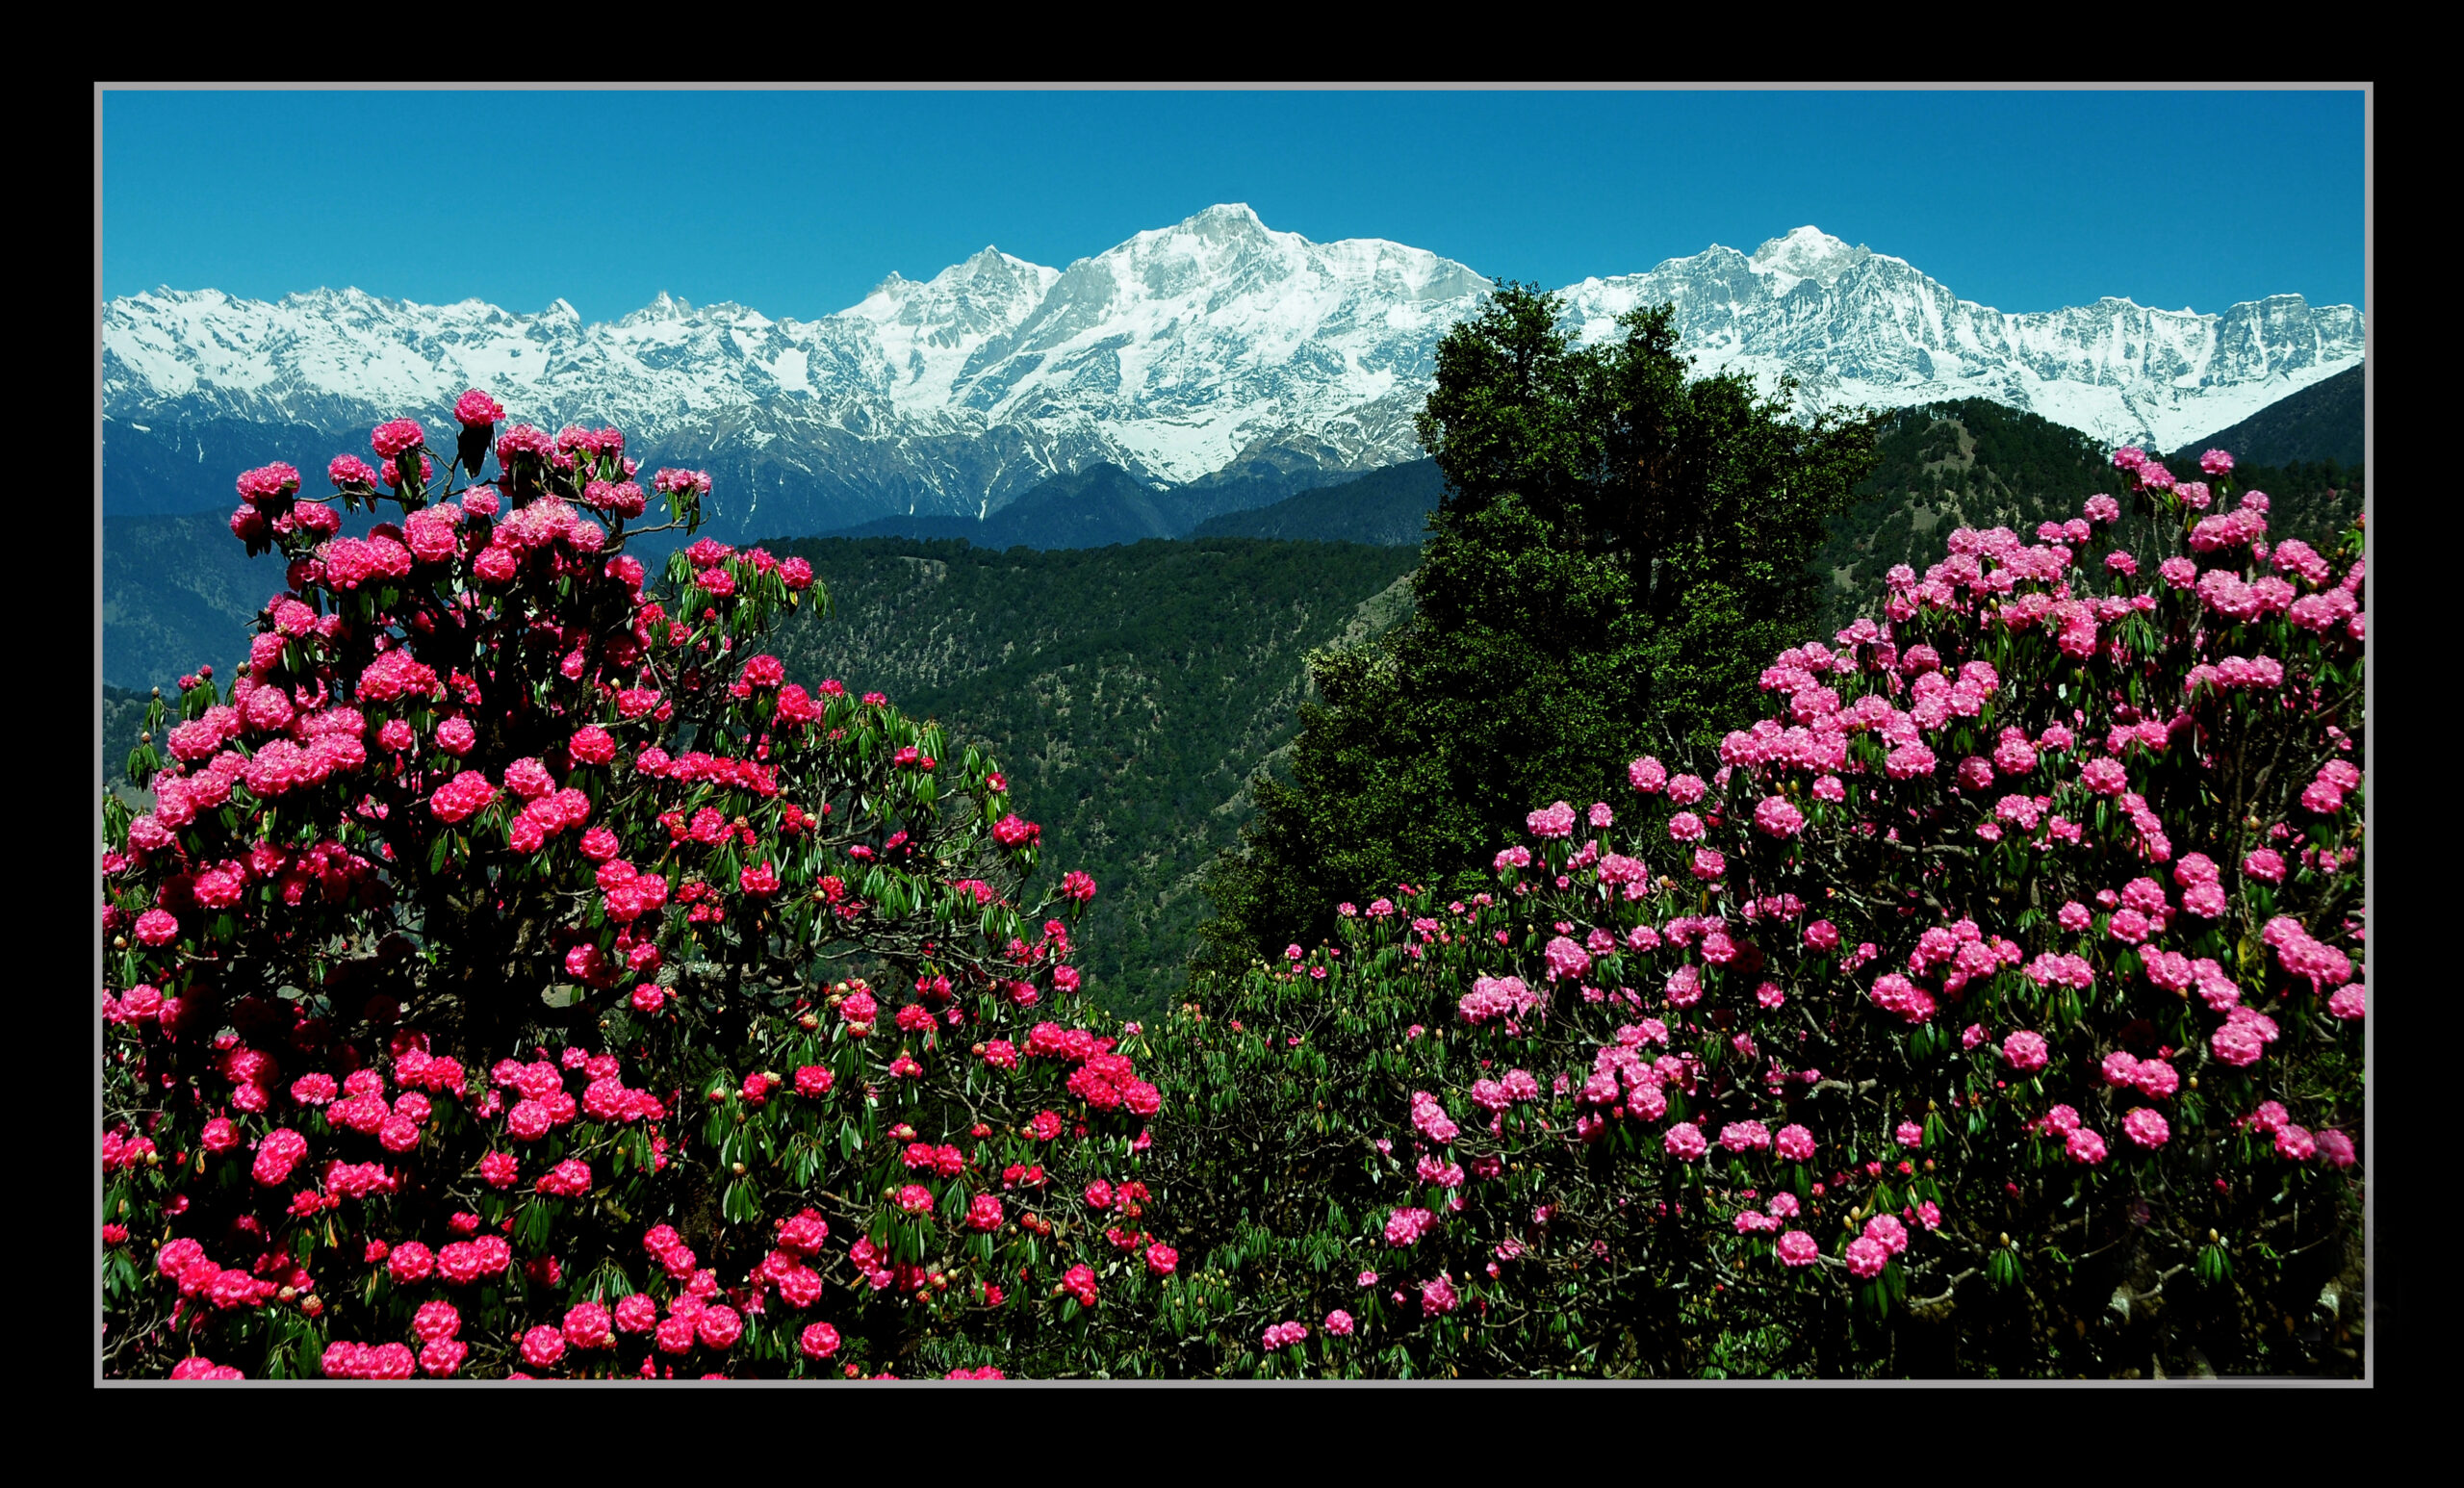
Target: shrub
(1993,1004)
(515,973)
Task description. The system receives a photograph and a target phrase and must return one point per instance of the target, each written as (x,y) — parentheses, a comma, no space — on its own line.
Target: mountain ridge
(1211,346)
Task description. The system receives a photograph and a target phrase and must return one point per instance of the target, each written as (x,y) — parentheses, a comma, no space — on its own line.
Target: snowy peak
(1183,351)
(1806,253)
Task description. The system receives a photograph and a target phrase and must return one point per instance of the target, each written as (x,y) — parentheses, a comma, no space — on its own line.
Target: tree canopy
(1620,547)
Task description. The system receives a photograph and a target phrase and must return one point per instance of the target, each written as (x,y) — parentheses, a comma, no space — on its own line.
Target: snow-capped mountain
(1859,327)
(1197,349)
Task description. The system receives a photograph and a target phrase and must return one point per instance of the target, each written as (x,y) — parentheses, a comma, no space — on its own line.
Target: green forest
(1130,692)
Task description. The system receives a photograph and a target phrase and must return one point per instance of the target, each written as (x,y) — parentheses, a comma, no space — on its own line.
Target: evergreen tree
(1619,550)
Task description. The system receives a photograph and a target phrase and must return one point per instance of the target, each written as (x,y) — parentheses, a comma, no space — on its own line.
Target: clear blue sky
(797,203)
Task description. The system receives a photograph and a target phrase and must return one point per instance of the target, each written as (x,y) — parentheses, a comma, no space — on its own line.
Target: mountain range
(1219,364)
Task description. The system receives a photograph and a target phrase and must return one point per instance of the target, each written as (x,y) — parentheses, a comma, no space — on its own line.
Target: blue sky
(797,203)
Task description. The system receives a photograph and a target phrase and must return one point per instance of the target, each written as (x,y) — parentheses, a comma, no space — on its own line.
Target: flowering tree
(514,974)
(1993,1002)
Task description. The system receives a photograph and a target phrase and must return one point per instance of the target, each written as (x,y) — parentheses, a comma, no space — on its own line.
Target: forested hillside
(1979,464)
(2323,423)
(178,592)
(1129,691)
(1390,505)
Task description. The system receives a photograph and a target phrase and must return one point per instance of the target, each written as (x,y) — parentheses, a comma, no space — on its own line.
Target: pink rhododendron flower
(2146,1127)
(1555,821)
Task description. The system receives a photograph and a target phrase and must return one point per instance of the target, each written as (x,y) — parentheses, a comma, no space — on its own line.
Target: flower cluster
(438,960)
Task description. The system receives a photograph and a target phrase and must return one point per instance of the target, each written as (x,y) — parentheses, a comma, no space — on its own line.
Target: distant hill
(1388,507)
(1974,463)
(178,592)
(1130,692)
(1099,506)
(1094,508)
(2320,424)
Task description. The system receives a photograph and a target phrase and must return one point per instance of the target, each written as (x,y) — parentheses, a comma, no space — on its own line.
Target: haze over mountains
(1232,364)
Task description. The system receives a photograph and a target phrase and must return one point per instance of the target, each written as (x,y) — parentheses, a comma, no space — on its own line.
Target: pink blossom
(542,1347)
(396,436)
(1745,1136)
(2146,1127)
(1909,762)
(2236,1044)
(1779,818)
(1565,960)
(1555,821)
(1888,1232)
(1406,1226)
(2156,1079)
(476,407)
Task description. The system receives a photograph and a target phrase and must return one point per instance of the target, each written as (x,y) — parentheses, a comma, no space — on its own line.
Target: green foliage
(1619,549)
(1978,464)
(1132,690)
(1316,1095)
(123,723)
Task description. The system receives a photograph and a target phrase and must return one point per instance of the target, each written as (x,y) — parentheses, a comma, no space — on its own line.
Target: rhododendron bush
(1996,1001)
(515,972)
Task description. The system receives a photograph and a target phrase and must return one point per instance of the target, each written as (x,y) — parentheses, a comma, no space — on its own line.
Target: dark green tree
(1621,546)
